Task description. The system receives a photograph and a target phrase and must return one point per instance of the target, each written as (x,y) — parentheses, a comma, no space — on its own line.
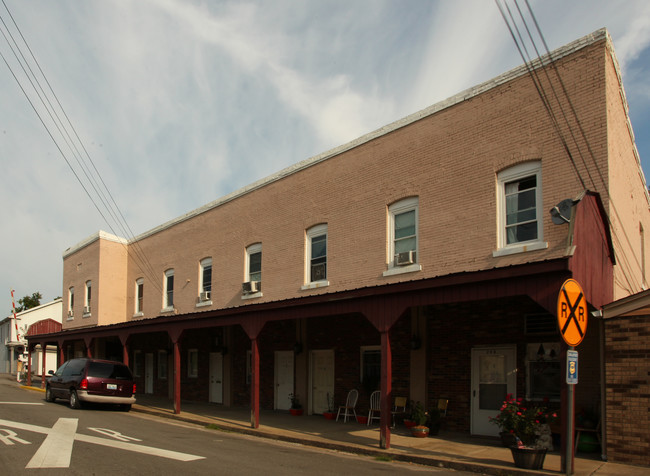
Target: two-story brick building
(420,259)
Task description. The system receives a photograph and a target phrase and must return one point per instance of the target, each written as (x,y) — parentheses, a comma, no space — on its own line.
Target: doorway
(494,375)
(216,378)
(148,373)
(283,379)
(322,379)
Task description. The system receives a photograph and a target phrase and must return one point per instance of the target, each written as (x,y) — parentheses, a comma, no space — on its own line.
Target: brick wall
(627,351)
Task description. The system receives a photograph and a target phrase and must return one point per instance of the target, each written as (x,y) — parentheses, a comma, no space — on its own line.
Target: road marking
(63,431)
(114,434)
(56,450)
(21,403)
(11,435)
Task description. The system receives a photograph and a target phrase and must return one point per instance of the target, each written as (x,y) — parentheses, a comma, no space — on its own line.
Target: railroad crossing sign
(572,312)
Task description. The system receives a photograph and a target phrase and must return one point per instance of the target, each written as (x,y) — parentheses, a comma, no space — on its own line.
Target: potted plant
(296,407)
(524,420)
(420,416)
(330,414)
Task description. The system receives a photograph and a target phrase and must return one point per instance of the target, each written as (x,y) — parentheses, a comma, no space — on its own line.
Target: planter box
(296,411)
(362,419)
(420,431)
(329,415)
(409,423)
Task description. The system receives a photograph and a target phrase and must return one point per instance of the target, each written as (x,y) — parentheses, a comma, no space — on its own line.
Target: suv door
(56,381)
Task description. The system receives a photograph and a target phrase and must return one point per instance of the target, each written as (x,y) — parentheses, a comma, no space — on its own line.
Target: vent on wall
(540,324)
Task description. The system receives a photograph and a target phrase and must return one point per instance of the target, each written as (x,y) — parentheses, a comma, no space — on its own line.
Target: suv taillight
(84,384)
(133,389)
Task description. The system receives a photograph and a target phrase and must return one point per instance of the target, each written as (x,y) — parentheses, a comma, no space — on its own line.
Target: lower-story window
(193,363)
(543,372)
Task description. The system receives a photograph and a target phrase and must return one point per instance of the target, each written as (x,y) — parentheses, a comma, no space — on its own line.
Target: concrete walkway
(448,450)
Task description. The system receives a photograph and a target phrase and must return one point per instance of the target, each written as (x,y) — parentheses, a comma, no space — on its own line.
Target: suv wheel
(48,394)
(74,400)
(125,407)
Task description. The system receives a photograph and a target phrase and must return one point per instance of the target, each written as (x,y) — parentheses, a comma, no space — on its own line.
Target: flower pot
(528,458)
(409,423)
(362,419)
(295,411)
(329,415)
(420,431)
(508,439)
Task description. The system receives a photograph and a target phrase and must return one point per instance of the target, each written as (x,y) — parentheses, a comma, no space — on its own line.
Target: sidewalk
(448,450)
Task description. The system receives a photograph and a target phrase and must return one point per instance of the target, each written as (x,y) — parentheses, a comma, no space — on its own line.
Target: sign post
(572,322)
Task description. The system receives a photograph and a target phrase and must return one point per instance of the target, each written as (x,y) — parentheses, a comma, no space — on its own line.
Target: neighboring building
(420,259)
(627,377)
(13,354)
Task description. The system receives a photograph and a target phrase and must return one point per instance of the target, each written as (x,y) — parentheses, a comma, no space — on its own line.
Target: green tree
(29,302)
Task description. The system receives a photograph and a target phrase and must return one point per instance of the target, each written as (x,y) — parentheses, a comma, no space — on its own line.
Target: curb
(36,389)
(406,458)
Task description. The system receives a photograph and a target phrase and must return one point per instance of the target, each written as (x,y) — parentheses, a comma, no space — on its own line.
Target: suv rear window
(107,370)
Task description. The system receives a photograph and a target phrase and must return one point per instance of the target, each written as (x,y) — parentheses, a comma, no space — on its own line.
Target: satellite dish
(561,213)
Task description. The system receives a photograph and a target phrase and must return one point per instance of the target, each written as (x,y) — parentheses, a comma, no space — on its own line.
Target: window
(87,299)
(253,272)
(519,199)
(403,237)
(71,303)
(168,290)
(316,257)
(544,373)
(139,295)
(162,364)
(193,363)
(205,281)
(370,367)
(254,263)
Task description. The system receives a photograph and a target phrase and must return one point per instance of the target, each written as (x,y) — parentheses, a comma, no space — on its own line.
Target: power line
(625,264)
(95,180)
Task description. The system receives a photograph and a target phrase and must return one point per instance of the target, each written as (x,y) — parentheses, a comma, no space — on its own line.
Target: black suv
(92,380)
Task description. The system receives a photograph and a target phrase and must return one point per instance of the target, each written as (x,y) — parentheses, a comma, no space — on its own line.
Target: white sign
(572,367)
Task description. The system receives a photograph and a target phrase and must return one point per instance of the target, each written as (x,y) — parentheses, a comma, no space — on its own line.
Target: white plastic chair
(375,408)
(349,407)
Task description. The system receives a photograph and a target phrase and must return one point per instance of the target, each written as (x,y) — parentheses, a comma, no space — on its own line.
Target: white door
(216,377)
(148,373)
(283,379)
(494,372)
(322,379)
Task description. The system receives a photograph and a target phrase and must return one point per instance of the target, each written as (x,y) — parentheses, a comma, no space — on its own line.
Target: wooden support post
(43,359)
(386,391)
(255,384)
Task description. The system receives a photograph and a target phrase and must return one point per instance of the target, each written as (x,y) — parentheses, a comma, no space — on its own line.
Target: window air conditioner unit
(405,258)
(251,287)
(205,296)
(318,272)
(86,309)
(70,313)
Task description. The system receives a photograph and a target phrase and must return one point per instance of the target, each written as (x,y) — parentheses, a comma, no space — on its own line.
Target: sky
(178,103)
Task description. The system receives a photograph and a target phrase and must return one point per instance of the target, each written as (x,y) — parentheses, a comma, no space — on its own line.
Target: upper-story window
(403,237)
(519,198)
(71,302)
(139,296)
(168,290)
(253,271)
(205,280)
(88,298)
(316,257)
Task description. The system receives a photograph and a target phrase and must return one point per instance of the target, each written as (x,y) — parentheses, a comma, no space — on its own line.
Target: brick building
(420,259)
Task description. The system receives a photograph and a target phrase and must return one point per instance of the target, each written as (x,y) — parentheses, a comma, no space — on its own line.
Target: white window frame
(203,265)
(139,298)
(513,174)
(192,363)
(88,298)
(397,208)
(164,368)
(166,306)
(70,303)
(251,250)
(314,232)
